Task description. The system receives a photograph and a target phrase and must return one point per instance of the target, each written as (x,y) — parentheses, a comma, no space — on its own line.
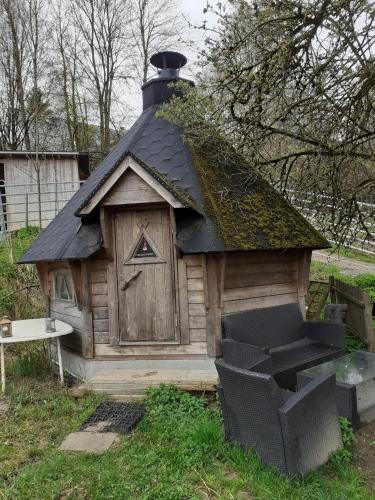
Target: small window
(143,249)
(64,287)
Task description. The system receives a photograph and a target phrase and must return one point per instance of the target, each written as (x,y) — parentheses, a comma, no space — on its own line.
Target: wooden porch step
(133,383)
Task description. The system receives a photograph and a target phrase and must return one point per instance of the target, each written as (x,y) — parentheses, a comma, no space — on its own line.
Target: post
(215,269)
(2,368)
(56,204)
(61,370)
(27,209)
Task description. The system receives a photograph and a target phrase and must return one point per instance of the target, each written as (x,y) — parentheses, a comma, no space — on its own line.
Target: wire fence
(24,205)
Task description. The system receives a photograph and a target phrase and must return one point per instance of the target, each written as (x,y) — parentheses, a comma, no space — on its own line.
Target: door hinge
(176,320)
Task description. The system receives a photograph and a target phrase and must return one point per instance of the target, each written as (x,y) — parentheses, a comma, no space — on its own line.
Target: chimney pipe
(158,90)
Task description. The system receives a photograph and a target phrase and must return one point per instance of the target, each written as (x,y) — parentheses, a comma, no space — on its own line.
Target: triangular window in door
(143,249)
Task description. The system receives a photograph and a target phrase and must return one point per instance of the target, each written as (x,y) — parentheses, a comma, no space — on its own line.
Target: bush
(20,295)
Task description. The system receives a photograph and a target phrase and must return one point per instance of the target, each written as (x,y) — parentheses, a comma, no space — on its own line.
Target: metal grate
(112,416)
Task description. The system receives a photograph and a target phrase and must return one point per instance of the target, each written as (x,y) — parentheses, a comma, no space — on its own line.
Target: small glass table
(355,384)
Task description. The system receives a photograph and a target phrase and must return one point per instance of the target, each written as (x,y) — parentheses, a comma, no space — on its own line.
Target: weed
(354,344)
(345,455)
(32,361)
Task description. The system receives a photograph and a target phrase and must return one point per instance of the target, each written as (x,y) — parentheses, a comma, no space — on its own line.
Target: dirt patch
(348,266)
(364,452)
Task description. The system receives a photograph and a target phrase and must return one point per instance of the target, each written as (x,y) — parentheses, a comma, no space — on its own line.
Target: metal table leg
(60,361)
(2,367)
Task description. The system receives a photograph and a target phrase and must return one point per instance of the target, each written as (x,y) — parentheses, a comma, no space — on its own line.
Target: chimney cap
(168,60)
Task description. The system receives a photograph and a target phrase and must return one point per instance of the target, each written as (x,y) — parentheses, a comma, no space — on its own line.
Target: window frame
(70,285)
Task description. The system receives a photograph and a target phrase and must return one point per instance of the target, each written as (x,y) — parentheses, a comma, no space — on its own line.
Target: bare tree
(104,31)
(292,86)
(14,70)
(157,25)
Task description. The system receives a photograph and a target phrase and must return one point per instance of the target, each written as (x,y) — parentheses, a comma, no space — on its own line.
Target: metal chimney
(158,90)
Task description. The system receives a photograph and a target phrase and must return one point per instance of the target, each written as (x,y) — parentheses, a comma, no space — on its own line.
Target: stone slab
(88,442)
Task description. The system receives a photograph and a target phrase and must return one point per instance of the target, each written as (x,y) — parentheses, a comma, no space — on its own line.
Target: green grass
(176,452)
(365,281)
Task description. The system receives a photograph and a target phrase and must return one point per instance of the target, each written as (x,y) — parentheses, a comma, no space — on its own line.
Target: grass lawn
(176,452)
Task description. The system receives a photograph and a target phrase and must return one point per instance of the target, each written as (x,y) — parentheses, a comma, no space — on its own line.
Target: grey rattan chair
(294,432)
(280,332)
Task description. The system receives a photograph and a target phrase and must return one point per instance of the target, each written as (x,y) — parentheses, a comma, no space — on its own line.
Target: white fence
(25,205)
(318,209)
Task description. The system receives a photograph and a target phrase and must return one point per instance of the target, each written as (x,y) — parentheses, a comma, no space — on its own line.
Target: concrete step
(132,383)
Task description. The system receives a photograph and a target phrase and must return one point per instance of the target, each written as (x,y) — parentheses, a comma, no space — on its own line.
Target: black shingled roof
(159,146)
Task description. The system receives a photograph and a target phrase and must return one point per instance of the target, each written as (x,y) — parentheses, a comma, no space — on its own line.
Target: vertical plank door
(145,276)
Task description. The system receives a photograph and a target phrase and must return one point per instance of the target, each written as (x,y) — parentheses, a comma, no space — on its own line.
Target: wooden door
(145,276)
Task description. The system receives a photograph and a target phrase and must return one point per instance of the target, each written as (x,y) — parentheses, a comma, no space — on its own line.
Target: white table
(29,330)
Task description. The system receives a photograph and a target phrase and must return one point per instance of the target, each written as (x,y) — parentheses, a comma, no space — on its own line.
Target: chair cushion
(299,353)
(270,326)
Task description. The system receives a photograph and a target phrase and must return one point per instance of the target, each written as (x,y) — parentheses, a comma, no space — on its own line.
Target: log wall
(98,280)
(66,311)
(250,280)
(259,279)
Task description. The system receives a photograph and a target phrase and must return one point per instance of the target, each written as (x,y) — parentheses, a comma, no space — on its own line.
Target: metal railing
(318,209)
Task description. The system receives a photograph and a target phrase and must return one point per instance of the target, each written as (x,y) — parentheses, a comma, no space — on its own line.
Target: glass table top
(354,368)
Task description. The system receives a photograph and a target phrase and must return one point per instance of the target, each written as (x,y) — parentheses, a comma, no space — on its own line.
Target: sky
(192,11)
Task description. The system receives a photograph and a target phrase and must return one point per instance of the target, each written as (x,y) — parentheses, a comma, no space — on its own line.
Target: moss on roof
(248,213)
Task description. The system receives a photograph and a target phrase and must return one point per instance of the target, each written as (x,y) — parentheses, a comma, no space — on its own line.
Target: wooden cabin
(160,242)
(60,174)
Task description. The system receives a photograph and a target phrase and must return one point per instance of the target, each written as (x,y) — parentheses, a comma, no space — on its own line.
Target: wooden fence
(359,319)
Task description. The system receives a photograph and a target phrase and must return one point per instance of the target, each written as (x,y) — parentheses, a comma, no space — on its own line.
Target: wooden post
(183,302)
(87,331)
(27,209)
(107,232)
(303,260)
(114,333)
(215,268)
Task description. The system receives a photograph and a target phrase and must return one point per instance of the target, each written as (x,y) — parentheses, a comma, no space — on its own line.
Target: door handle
(128,282)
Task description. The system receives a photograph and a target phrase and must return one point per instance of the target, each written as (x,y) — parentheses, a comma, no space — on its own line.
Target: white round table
(28,330)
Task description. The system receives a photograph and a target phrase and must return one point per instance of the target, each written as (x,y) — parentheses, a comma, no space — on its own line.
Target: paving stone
(88,442)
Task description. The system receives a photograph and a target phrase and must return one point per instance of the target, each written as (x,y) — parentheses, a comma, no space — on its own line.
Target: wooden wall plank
(197,310)
(259,291)
(99,300)
(259,278)
(195,348)
(195,297)
(257,268)
(183,302)
(198,335)
(100,313)
(130,189)
(259,302)
(197,322)
(195,284)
